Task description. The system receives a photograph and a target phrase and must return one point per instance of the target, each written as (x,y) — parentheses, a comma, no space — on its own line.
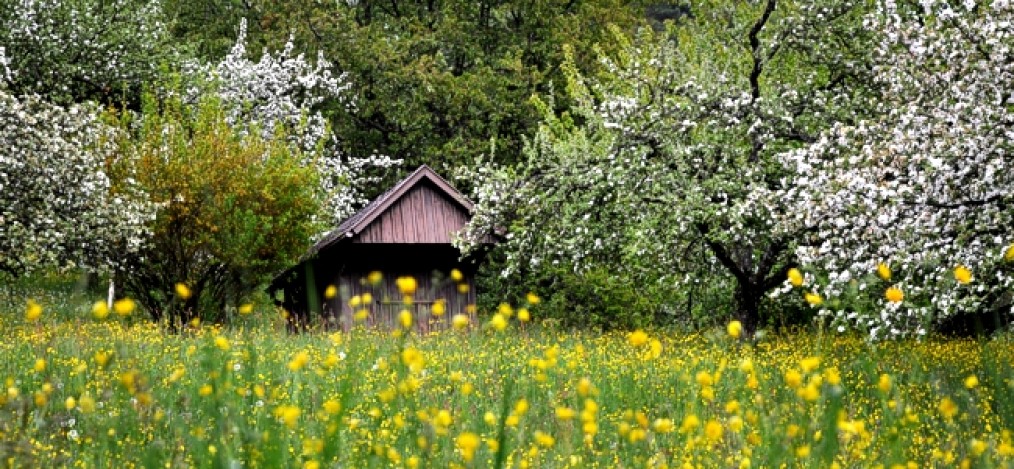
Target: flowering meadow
(90,387)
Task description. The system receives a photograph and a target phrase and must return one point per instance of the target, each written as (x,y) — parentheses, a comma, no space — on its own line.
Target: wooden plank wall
(388,303)
(423,215)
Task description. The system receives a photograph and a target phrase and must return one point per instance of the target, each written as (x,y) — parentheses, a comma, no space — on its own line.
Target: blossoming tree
(671,163)
(285,90)
(59,206)
(927,187)
(818,133)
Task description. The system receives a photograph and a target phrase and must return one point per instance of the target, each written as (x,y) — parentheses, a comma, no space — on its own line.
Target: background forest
(772,161)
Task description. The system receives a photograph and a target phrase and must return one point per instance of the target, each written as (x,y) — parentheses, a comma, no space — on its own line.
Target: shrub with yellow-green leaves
(233,208)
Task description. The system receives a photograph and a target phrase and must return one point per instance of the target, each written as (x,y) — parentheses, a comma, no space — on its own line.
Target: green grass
(252,395)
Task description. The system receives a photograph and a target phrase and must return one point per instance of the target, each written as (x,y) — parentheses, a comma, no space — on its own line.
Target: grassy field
(120,392)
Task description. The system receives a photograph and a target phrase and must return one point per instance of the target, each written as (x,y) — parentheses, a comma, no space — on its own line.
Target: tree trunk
(748,298)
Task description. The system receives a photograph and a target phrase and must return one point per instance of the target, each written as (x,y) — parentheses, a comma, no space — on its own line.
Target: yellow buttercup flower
(532,298)
(735,329)
(637,338)
(245,308)
(124,307)
(1008,255)
(498,322)
(456,275)
(33,312)
(183,291)
(962,274)
(813,298)
(330,292)
(795,277)
(524,315)
(406,285)
(459,321)
(894,294)
(884,271)
(467,443)
(375,277)
(438,308)
(948,408)
(971,382)
(100,310)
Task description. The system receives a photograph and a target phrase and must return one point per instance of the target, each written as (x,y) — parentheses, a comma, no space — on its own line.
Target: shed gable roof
(361,220)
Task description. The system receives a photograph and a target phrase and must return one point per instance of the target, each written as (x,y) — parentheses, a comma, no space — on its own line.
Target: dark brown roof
(356,223)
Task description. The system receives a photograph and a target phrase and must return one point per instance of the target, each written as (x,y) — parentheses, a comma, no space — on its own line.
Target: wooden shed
(405,232)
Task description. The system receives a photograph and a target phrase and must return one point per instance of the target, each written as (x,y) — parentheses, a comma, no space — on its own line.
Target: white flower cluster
(286,90)
(930,184)
(63,49)
(57,206)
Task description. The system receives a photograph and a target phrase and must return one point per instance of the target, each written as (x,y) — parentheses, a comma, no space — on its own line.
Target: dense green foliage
(434,82)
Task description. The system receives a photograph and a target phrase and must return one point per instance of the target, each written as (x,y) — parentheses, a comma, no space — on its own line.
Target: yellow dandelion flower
(222,343)
(793,379)
(544,439)
(456,275)
(40,365)
(459,321)
(288,414)
(330,292)
(971,382)
(100,310)
(962,274)
(205,390)
(375,277)
(565,413)
(245,309)
(713,430)
(795,277)
(406,285)
(884,383)
(299,360)
(1008,255)
(809,364)
(803,452)
(467,443)
(361,314)
(33,312)
(884,272)
(405,318)
(663,425)
(521,406)
(948,408)
(690,422)
(498,322)
(183,291)
(532,298)
(814,299)
(463,288)
(977,447)
(894,295)
(124,306)
(735,329)
(86,403)
(332,406)
(524,315)
(637,338)
(438,308)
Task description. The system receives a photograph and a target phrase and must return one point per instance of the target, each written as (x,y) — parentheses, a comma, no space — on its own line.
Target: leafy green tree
(232,208)
(438,82)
